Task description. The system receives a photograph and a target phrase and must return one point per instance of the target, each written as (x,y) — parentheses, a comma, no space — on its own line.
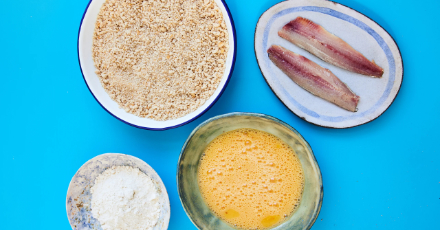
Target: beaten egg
(250,178)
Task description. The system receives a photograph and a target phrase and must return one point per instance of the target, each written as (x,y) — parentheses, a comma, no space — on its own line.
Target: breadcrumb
(160,59)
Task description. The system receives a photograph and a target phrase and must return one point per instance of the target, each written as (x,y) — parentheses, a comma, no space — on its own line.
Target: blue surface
(384,175)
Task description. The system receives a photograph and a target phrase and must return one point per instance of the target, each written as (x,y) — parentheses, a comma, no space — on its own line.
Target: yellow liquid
(250,178)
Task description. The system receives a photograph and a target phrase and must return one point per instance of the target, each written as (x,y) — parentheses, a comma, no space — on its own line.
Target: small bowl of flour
(117,191)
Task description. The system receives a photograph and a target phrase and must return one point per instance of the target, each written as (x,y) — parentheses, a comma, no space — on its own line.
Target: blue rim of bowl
(234,114)
(303,118)
(234,34)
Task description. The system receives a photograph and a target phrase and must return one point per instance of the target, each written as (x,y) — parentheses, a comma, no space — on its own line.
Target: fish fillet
(313,78)
(328,47)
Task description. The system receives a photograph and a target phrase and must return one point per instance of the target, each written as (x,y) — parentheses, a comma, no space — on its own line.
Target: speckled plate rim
(166,127)
(234,114)
(305,118)
(159,180)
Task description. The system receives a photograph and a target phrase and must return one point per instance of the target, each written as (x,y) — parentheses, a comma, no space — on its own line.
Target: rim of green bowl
(235,114)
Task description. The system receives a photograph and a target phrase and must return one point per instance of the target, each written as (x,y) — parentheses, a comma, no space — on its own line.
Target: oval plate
(362,33)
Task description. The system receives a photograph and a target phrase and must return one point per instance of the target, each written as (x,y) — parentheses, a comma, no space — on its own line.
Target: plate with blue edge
(360,32)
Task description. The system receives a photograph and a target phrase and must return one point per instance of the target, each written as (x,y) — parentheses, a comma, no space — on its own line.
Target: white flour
(124,198)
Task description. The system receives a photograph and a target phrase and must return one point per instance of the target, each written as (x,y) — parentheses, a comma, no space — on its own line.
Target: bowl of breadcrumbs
(157,64)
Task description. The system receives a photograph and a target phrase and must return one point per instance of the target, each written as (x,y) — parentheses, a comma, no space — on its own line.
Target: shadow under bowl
(192,200)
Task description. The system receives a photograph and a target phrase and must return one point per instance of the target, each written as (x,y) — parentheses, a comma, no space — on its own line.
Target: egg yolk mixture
(250,178)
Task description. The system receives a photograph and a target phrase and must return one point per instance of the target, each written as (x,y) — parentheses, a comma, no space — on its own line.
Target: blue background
(384,174)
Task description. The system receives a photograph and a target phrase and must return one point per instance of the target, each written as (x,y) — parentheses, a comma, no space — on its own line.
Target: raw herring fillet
(313,78)
(328,47)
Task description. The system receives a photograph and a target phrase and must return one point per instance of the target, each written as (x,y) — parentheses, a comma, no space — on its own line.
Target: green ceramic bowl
(190,196)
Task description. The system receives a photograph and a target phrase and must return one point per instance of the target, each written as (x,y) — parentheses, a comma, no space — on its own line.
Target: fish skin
(328,47)
(310,76)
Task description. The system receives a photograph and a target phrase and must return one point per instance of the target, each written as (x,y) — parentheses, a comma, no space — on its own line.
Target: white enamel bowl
(85,41)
